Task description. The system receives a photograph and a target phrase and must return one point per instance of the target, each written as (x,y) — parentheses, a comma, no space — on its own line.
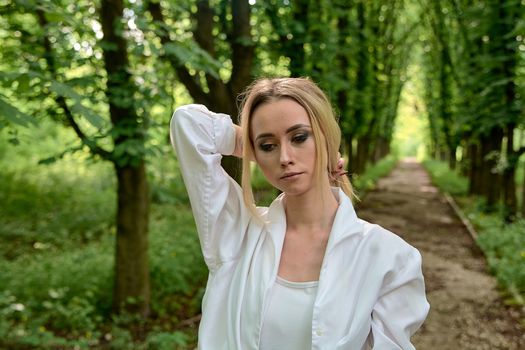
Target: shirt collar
(346,222)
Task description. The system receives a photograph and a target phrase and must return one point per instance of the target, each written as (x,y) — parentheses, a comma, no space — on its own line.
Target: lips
(290,175)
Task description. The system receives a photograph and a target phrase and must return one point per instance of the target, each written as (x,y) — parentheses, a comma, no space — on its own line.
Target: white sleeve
(200,138)
(401,308)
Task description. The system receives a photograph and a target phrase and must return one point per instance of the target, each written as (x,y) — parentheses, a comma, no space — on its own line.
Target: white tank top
(287,322)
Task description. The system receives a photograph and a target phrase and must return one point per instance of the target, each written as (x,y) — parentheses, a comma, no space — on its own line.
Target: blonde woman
(306,272)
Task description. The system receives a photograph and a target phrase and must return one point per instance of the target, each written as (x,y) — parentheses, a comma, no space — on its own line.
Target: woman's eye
(266,147)
(300,138)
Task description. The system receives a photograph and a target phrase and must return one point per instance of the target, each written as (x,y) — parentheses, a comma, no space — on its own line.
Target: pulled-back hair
(325,130)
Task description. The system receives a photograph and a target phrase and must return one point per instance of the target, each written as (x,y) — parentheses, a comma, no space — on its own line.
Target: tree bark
(350,153)
(132,283)
(474,173)
(510,199)
(363,149)
(523,197)
(490,150)
(362,77)
(342,94)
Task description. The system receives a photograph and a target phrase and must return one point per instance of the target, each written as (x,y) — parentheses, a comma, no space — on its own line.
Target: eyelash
(298,138)
(266,147)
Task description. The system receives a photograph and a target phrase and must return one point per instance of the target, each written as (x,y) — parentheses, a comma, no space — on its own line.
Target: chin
(295,191)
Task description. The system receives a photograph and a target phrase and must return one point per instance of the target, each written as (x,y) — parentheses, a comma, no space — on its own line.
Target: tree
(131,267)
(477,65)
(205,83)
(77,103)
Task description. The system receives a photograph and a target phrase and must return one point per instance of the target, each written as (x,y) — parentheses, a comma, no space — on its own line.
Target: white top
(371,292)
(287,322)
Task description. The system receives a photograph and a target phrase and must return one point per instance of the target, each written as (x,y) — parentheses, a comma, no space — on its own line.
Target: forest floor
(466,309)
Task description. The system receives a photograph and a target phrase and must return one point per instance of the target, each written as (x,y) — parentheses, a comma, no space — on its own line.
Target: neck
(313,211)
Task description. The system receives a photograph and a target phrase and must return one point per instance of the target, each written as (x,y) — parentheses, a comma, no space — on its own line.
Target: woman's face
(284,145)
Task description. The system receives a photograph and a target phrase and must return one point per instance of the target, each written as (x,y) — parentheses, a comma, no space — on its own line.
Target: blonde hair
(325,130)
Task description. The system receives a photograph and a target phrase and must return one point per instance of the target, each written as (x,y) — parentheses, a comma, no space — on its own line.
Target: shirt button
(319,332)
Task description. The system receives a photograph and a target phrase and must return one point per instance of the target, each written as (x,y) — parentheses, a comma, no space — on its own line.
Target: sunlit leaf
(64,90)
(93,118)
(14,115)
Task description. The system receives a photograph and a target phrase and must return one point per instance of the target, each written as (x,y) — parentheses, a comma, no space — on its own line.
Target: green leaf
(94,119)
(47,161)
(14,115)
(23,83)
(64,90)
(192,54)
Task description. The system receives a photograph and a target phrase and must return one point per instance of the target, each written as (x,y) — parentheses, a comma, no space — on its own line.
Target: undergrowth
(368,180)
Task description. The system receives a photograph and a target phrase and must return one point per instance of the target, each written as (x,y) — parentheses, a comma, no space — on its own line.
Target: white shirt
(287,322)
(371,293)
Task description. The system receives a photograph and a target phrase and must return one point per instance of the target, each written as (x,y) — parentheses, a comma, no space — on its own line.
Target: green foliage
(189,51)
(503,245)
(34,197)
(374,172)
(57,248)
(263,192)
(13,115)
(167,341)
(447,180)
(69,292)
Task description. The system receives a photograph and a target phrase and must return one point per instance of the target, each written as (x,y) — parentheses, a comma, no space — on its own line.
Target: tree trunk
(491,148)
(363,146)
(474,172)
(523,197)
(350,153)
(218,96)
(132,284)
(443,156)
(509,182)
(362,79)
(452,161)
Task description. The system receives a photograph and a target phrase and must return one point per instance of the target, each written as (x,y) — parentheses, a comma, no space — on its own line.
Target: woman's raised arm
(200,139)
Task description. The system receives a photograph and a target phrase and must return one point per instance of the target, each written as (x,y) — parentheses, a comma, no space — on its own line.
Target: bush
(368,180)
(447,180)
(504,246)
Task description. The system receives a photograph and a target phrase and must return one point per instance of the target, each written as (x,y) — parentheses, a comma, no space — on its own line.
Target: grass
(502,243)
(445,179)
(367,181)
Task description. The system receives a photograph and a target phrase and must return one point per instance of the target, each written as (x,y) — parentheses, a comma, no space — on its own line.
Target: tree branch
(60,100)
(204,37)
(242,46)
(193,87)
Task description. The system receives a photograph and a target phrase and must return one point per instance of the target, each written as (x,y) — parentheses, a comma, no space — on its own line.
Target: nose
(286,155)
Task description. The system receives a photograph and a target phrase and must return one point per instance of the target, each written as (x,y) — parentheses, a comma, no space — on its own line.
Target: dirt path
(467,312)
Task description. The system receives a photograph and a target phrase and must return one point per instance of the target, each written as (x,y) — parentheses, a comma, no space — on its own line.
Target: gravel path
(467,311)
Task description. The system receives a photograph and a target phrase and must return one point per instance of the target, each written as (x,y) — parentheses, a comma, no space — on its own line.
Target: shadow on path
(466,309)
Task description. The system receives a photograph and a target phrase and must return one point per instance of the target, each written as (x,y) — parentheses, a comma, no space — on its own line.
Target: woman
(305,273)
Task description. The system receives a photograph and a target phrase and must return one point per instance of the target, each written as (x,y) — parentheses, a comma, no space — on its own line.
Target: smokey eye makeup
(266,146)
(301,137)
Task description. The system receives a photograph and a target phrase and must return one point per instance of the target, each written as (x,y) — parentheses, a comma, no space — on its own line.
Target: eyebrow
(289,130)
